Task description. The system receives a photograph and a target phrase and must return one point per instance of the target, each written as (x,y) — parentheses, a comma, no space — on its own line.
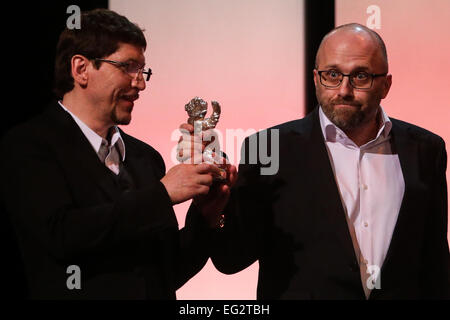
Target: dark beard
(343,118)
(118,121)
(348,122)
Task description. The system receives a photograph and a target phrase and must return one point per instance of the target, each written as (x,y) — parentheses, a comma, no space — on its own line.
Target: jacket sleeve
(194,239)
(240,242)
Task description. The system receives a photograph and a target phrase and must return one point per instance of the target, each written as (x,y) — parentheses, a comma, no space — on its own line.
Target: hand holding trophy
(202,147)
(199,144)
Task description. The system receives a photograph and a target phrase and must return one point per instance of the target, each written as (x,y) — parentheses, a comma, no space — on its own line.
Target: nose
(345,89)
(138,81)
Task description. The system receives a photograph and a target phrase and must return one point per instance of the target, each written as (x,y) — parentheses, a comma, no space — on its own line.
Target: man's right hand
(186,181)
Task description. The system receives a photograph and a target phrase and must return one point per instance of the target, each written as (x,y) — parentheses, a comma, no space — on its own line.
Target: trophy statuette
(196,110)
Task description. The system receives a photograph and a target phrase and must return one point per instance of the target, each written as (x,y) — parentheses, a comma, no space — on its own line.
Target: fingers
(189,146)
(205,180)
(231,175)
(187,127)
(201,148)
(210,156)
(217,196)
(232,170)
(204,168)
(186,150)
(202,174)
(226,173)
(184,181)
(206,136)
(186,136)
(224,191)
(202,190)
(197,147)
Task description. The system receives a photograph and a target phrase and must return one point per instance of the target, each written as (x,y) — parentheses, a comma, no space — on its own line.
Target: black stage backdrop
(30,33)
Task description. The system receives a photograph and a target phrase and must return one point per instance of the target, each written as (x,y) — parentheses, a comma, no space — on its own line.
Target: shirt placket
(365,222)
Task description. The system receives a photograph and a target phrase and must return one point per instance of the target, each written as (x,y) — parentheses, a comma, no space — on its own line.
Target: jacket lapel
(407,149)
(77,152)
(139,167)
(398,252)
(323,183)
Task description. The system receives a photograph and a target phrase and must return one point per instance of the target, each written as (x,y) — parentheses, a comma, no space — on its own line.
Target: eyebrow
(135,61)
(355,69)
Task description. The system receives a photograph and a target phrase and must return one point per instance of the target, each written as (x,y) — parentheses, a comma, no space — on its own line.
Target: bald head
(355,57)
(354,32)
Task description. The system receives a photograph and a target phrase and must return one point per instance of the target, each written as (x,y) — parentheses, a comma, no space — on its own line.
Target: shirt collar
(333,133)
(96,140)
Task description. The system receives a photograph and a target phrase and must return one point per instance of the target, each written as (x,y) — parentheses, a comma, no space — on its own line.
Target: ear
(387,86)
(316,77)
(79,68)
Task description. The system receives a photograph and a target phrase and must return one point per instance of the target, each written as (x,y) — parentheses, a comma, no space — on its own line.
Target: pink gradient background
(416,33)
(247,55)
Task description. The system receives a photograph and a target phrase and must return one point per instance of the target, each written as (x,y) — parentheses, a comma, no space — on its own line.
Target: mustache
(131,96)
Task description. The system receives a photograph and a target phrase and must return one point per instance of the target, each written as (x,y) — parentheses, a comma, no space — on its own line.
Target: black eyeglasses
(358,79)
(132,68)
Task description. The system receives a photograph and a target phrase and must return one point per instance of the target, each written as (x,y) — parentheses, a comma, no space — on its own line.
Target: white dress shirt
(111,153)
(371,186)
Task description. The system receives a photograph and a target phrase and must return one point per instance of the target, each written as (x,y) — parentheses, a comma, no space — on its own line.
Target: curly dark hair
(101,32)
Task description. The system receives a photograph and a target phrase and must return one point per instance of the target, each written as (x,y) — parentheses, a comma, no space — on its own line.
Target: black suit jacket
(294,223)
(67,208)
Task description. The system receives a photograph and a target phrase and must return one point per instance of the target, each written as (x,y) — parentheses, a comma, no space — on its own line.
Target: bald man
(358,207)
